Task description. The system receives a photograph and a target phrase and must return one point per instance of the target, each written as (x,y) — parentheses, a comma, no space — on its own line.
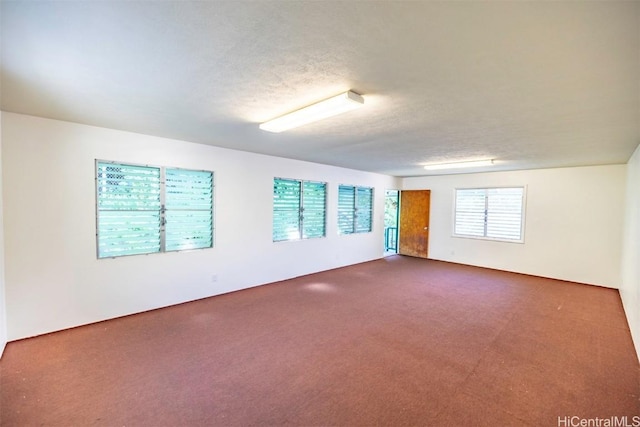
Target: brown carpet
(398,341)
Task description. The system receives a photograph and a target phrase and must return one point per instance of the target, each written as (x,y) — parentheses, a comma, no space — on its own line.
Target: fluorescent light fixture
(329,107)
(459,165)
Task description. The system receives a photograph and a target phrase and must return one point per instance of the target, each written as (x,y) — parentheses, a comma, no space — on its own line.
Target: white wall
(53,279)
(630,289)
(573,228)
(3,318)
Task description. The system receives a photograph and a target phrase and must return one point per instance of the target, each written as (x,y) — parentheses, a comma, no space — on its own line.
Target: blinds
(189,209)
(470,212)
(128,209)
(364,208)
(346,209)
(504,213)
(130,212)
(494,213)
(299,209)
(355,209)
(314,208)
(286,209)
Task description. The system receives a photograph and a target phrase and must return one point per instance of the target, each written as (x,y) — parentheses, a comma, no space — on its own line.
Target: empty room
(336,213)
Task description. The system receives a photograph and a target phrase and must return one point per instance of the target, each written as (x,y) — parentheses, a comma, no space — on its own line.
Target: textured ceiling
(530,84)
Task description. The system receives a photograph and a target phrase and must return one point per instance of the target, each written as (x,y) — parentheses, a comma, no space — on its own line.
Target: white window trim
(495,239)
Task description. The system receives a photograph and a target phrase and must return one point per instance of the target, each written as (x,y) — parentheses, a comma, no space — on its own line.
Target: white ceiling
(530,84)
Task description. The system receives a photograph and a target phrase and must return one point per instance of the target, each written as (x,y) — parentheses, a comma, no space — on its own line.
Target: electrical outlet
(214,278)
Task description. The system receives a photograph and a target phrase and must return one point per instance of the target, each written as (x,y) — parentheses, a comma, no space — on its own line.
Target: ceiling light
(457,165)
(329,107)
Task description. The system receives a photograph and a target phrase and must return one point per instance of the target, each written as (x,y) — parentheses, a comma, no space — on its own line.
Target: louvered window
(355,209)
(188,209)
(490,213)
(299,209)
(146,209)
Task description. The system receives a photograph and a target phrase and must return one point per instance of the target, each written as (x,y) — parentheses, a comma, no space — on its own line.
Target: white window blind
(355,209)
(491,213)
(299,209)
(139,213)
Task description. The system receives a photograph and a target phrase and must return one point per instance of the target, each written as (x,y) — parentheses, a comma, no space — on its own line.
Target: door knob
(426,228)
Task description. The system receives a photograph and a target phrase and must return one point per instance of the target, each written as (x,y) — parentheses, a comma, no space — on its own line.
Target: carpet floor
(397,341)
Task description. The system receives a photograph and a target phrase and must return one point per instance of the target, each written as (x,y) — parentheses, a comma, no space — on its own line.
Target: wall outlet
(214,278)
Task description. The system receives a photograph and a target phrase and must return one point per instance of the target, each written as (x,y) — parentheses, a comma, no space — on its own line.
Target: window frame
(523,205)
(354,211)
(161,211)
(301,208)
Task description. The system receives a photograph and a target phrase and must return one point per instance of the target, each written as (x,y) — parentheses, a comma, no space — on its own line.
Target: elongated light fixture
(459,165)
(321,110)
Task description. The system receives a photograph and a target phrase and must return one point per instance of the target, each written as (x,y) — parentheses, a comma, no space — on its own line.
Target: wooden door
(414,223)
